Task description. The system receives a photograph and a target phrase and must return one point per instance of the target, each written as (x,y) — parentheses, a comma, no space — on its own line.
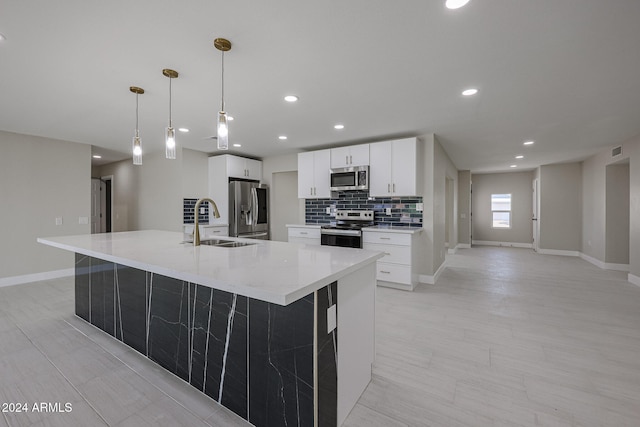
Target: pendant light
(222,45)
(170,134)
(137,145)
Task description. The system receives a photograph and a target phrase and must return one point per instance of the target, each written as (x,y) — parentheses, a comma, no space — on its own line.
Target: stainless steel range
(347,231)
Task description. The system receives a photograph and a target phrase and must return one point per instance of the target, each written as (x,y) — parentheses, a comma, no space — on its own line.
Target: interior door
(97,192)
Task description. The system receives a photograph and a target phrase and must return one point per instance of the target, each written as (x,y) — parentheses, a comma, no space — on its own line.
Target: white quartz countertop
(275,272)
(391,229)
(304,225)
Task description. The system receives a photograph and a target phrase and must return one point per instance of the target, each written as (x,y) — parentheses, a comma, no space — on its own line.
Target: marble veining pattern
(253,357)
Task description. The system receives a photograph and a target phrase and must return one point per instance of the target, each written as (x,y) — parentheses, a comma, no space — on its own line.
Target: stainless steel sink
(225,243)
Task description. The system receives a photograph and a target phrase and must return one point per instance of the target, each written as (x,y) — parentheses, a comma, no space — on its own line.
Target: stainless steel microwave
(351,178)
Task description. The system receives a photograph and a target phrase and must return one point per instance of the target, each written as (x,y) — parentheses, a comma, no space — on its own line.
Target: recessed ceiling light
(95,156)
(513,166)
(291,98)
(230,118)
(237,145)
(283,137)
(183,129)
(338,127)
(520,157)
(528,143)
(469,92)
(455,4)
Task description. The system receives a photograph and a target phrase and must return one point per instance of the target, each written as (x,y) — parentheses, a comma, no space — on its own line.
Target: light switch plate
(419,207)
(331,318)
(388,211)
(58,220)
(328,211)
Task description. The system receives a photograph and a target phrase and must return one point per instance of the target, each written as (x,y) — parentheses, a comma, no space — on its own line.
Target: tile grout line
(63,375)
(145,379)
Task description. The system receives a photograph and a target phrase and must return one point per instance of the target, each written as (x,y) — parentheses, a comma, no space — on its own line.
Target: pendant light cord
(137,114)
(170,102)
(222,108)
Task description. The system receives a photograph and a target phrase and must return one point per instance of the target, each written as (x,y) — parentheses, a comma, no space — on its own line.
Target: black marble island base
(272,365)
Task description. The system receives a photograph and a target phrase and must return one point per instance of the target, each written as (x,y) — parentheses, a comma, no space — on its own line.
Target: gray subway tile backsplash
(403,210)
(188,215)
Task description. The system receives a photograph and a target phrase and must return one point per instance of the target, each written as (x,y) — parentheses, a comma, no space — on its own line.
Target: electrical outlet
(419,207)
(58,220)
(202,210)
(388,211)
(328,211)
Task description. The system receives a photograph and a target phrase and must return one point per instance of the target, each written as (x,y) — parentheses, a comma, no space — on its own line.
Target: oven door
(340,238)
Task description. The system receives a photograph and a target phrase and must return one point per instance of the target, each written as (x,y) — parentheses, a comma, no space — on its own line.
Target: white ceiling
(562,72)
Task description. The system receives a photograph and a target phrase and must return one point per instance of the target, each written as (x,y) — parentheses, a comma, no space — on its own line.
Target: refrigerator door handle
(254,207)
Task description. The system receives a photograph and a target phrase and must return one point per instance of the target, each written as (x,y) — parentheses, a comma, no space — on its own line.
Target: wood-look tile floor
(506,338)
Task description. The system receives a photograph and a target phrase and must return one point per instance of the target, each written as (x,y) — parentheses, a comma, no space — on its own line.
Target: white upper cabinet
(393,171)
(355,155)
(241,167)
(314,175)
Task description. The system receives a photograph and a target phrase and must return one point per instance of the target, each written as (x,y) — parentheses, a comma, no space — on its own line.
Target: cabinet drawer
(386,238)
(392,253)
(213,231)
(304,240)
(393,272)
(309,233)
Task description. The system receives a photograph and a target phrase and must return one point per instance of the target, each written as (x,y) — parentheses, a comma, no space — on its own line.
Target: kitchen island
(280,333)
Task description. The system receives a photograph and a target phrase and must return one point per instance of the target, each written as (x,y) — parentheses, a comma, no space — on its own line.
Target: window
(501,210)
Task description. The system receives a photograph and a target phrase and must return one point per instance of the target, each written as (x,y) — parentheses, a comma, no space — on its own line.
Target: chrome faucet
(196,229)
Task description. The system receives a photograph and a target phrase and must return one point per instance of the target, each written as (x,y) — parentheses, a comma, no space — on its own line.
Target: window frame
(501,211)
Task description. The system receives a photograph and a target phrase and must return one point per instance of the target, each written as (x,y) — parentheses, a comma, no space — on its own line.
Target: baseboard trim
(464,246)
(432,280)
(453,251)
(558,252)
(634,279)
(604,265)
(504,244)
(27,278)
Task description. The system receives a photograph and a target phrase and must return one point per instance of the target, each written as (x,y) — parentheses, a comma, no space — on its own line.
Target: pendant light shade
(170,133)
(137,143)
(223,45)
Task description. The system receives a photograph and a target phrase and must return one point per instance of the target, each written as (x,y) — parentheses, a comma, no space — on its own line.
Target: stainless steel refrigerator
(248,210)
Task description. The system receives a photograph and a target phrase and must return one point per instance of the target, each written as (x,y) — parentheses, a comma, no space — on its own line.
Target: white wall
(40,179)
(519,185)
(594,241)
(273,165)
(560,207)
(150,196)
(436,168)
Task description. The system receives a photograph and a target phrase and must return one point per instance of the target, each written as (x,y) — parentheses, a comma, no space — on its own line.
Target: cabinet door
(236,167)
(305,175)
(254,169)
(322,174)
(359,155)
(340,157)
(403,167)
(380,169)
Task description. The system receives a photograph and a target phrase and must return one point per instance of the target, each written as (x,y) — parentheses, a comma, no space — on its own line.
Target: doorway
(617,216)
(285,206)
(534,216)
(102,204)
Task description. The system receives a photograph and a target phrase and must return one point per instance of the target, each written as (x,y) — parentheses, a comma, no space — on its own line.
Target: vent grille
(616,151)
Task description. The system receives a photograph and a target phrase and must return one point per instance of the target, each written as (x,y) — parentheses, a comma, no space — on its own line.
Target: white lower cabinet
(206,231)
(309,235)
(398,268)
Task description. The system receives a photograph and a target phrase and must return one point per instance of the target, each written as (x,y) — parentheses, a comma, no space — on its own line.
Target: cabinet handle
(387,253)
(385,238)
(350,159)
(346,159)
(394,187)
(303,232)
(311,191)
(385,272)
(216,231)
(388,188)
